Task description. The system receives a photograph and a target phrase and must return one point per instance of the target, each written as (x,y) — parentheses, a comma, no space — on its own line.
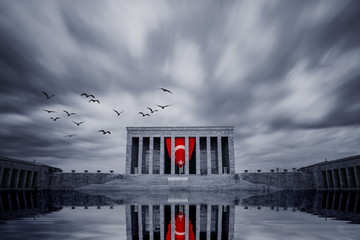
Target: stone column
(231,221)
(128,222)
(151,222)
(31,179)
(17,178)
(140,221)
(162,157)
(172,155)
(197,145)
(128,154)
(162,215)
(329,179)
(172,222)
(1,175)
(342,185)
(151,156)
(348,177)
(231,155)
(187,160)
(357,199)
(2,204)
(219,151)
(23,183)
(186,221)
(197,227)
(208,155)
(336,183)
(356,174)
(140,155)
(219,222)
(208,222)
(8,181)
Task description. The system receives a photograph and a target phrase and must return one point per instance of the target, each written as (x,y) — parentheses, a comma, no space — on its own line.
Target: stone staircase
(175,182)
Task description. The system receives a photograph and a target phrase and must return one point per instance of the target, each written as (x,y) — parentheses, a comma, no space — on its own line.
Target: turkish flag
(180,149)
(180,228)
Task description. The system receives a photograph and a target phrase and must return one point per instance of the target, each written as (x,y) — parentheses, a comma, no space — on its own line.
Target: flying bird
(152,111)
(166,90)
(94,100)
(87,95)
(49,111)
(104,132)
(54,119)
(118,113)
(163,106)
(144,114)
(78,123)
(47,96)
(69,114)
(70,135)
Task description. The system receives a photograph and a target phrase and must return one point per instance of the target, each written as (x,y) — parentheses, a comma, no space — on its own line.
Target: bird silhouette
(54,119)
(87,95)
(163,106)
(69,114)
(152,111)
(104,132)
(70,135)
(49,111)
(166,90)
(144,114)
(47,96)
(78,123)
(118,113)
(94,100)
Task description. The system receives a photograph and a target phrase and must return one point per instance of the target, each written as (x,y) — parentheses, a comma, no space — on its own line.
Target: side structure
(342,173)
(180,150)
(18,174)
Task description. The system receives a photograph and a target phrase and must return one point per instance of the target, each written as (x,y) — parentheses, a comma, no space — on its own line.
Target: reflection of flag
(180,149)
(180,228)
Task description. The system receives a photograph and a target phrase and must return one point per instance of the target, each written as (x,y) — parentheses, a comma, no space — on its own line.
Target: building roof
(26,162)
(333,161)
(169,128)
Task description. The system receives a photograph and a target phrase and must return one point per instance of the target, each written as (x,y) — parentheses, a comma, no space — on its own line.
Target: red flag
(180,149)
(180,228)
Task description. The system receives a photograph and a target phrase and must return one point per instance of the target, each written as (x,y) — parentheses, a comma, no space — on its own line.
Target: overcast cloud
(284,73)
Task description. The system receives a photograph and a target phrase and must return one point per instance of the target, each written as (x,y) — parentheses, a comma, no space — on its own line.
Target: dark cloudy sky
(285,73)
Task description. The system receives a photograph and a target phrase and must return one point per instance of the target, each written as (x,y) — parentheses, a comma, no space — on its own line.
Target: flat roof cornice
(182,128)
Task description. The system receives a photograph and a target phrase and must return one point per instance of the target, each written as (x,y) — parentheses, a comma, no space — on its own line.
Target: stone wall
(69,181)
(18,174)
(285,180)
(337,174)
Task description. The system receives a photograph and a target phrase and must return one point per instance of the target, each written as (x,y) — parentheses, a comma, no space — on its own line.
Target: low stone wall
(70,181)
(284,180)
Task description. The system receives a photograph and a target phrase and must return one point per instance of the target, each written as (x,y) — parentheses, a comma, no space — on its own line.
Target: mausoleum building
(180,150)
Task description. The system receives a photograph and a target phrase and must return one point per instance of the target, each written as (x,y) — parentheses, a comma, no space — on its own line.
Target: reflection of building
(152,221)
(174,150)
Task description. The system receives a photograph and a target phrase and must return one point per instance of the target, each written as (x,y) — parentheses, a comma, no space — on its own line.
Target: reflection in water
(166,216)
(179,221)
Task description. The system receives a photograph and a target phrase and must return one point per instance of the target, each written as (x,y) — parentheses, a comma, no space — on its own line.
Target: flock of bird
(94,100)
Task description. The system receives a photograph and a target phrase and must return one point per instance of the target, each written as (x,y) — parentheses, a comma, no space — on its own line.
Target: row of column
(348,201)
(216,226)
(340,178)
(17,178)
(17,200)
(229,168)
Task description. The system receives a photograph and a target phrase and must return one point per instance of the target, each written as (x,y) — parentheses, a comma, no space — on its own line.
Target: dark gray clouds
(284,73)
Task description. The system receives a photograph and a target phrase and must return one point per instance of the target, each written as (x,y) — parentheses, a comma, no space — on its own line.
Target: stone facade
(337,174)
(146,151)
(18,174)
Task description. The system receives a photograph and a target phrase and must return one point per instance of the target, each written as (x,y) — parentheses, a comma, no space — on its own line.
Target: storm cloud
(284,73)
